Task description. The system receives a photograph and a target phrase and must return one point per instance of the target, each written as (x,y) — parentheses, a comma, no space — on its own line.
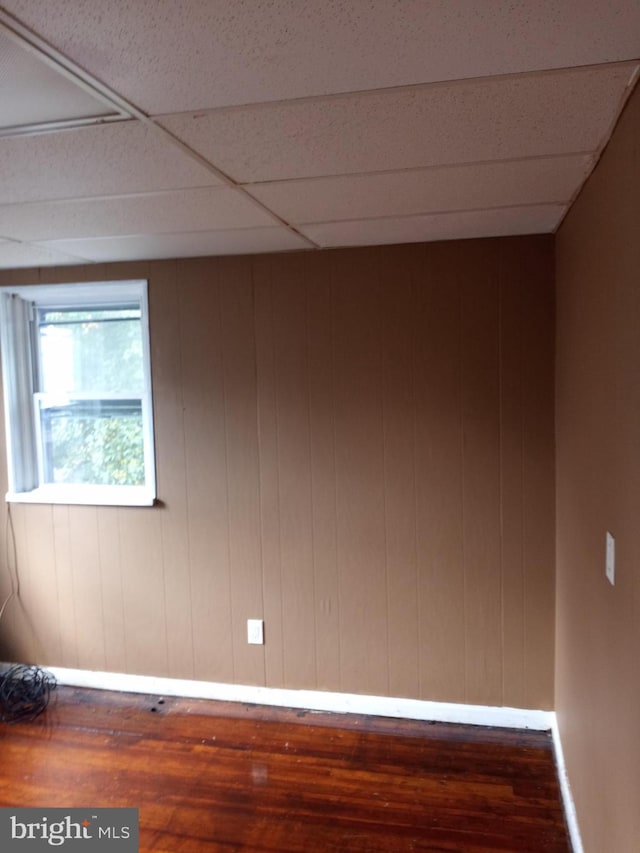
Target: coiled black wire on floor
(24,692)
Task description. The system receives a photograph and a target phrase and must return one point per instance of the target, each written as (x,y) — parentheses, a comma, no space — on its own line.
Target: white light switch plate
(255,631)
(611,559)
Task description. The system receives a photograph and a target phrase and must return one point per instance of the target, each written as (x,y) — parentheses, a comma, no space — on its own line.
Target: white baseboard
(312,700)
(565,789)
(344,703)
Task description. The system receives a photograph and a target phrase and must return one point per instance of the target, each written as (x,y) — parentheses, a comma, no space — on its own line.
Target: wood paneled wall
(356,446)
(598,490)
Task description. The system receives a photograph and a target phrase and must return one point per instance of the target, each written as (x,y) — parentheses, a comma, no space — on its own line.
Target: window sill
(85,495)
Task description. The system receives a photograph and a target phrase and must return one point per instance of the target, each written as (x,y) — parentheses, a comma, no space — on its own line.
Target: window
(77,393)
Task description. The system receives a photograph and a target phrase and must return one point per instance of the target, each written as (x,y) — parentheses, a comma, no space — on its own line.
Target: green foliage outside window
(100,440)
(106,451)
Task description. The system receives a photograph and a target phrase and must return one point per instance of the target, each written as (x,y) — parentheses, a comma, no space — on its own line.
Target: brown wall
(356,445)
(598,489)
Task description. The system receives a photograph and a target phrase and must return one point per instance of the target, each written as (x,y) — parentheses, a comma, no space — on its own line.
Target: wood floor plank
(217,776)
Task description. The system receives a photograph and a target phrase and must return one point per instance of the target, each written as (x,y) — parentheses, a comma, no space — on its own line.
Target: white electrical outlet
(255,631)
(610,567)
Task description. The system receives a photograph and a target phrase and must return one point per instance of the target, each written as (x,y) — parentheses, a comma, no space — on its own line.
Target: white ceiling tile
(513,117)
(365,120)
(147,247)
(123,157)
(440,226)
(195,54)
(205,209)
(14,255)
(32,92)
(424,190)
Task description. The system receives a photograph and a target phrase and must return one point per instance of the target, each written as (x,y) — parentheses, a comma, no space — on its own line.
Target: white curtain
(17,376)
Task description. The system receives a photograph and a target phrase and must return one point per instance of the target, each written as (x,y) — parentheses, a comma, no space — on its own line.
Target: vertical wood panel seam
(523,502)
(104,623)
(180,403)
(124,621)
(226,471)
(12,571)
(162,550)
(102,577)
(188,535)
(259,460)
(332,285)
(311,492)
(19,585)
(55,573)
(383,411)
(55,569)
(72,613)
(259,451)
(74,601)
(277,469)
(27,585)
(267,286)
(414,306)
(501,464)
(462,481)
(179,294)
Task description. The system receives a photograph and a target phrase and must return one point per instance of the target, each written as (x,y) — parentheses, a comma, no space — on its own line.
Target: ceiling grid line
(397,90)
(40,47)
(132,131)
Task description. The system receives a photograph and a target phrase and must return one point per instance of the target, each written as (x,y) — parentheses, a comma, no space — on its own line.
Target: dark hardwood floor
(214,776)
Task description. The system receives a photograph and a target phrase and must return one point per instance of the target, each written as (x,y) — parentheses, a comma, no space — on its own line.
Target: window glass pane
(77,388)
(91,350)
(92,442)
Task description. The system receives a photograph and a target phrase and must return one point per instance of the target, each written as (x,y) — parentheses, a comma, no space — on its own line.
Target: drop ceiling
(137,129)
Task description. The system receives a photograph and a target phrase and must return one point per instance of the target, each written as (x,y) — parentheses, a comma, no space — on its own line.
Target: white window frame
(20,396)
